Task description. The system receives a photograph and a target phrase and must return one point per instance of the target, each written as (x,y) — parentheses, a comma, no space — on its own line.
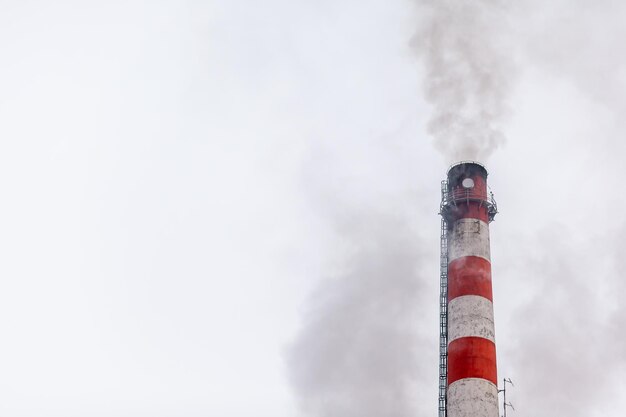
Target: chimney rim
(467,162)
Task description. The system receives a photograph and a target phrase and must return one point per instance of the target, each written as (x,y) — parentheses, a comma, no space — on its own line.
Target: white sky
(172,172)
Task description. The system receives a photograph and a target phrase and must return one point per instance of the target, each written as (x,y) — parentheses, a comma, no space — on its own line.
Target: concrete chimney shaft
(472,376)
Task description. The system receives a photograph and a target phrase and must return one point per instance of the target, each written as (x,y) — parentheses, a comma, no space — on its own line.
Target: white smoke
(467,58)
(356,353)
(359,352)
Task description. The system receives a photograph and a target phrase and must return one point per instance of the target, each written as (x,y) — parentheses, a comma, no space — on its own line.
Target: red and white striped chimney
(472,377)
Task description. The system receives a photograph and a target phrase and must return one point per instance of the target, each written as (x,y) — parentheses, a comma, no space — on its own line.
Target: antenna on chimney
(503,391)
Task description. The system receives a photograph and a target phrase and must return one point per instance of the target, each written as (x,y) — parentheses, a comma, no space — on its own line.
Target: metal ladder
(443,309)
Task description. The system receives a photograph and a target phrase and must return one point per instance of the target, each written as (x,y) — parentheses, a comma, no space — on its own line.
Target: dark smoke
(468,74)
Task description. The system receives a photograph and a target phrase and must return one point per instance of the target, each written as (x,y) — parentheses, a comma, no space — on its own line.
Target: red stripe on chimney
(469,275)
(472,357)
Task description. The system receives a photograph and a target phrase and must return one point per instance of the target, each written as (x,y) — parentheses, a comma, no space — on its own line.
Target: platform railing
(453,198)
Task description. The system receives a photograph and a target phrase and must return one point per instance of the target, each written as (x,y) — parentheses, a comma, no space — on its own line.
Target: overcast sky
(229,208)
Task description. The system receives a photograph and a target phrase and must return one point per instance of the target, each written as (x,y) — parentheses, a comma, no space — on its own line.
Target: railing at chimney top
(453,198)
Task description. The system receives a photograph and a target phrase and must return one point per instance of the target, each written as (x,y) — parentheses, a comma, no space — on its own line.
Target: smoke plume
(468,71)
(558,245)
(356,353)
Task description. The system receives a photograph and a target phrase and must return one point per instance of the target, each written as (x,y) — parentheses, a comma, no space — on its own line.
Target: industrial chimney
(467,363)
